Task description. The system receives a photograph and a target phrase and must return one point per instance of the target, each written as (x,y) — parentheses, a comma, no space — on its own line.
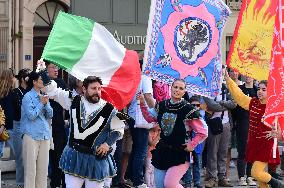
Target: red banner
(275,89)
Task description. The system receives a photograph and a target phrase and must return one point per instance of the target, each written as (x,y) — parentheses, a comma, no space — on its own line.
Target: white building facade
(25,25)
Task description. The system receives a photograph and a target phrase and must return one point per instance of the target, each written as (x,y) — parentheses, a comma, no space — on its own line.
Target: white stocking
(76,182)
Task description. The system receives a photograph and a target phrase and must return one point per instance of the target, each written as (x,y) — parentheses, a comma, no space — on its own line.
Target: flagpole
(280,20)
(275,139)
(275,122)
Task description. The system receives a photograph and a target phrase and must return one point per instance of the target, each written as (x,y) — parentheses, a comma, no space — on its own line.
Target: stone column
(28,9)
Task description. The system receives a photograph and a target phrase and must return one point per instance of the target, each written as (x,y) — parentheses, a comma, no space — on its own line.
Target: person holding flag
(85,48)
(176,118)
(95,125)
(259,156)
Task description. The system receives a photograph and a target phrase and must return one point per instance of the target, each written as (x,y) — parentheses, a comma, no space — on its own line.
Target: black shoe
(276,176)
(211,183)
(124,185)
(275,183)
(224,183)
(121,185)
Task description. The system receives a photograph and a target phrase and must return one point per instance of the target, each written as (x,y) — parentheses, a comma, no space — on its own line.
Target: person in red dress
(259,147)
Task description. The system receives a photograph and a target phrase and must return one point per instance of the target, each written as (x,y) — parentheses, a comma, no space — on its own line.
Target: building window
(228,44)
(46,13)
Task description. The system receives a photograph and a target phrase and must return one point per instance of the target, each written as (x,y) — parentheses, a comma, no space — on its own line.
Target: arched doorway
(44,18)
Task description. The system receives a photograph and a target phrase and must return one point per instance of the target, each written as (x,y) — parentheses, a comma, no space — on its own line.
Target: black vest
(85,145)
(170,150)
(171,117)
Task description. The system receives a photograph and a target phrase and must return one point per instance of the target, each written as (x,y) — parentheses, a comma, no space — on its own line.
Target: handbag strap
(223,97)
(222,115)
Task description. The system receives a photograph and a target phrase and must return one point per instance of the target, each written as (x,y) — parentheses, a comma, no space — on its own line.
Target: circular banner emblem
(192,39)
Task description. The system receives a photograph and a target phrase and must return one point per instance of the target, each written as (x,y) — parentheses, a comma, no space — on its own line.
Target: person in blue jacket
(36,113)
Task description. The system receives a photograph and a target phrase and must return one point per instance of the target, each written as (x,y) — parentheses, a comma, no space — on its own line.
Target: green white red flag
(85,48)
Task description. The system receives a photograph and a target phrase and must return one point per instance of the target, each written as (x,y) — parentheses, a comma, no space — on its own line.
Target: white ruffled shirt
(62,97)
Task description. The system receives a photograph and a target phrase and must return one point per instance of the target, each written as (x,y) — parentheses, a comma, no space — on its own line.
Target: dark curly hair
(91,79)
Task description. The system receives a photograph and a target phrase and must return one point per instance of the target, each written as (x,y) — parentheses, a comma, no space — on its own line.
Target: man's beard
(91,99)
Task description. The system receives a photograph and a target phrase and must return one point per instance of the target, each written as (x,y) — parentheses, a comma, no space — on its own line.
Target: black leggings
(243,167)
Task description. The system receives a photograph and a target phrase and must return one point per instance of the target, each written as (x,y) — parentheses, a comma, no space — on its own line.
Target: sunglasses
(196,105)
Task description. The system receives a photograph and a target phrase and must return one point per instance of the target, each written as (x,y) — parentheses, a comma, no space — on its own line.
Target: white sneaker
(242,181)
(142,186)
(227,179)
(232,164)
(250,182)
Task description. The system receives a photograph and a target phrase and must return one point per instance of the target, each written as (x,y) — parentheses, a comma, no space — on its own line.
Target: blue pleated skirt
(86,166)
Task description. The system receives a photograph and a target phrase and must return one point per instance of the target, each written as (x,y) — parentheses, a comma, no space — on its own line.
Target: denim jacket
(35,115)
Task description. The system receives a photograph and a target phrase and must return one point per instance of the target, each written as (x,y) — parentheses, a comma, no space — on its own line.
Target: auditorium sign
(130,39)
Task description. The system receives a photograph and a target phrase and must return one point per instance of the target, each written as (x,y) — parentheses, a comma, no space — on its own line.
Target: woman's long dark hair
(23,73)
(32,76)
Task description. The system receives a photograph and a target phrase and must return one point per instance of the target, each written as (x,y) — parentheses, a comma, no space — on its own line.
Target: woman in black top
(18,94)
(6,85)
(241,121)
(176,118)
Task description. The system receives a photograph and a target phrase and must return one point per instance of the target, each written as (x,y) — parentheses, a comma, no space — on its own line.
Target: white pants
(108,181)
(35,158)
(149,173)
(76,182)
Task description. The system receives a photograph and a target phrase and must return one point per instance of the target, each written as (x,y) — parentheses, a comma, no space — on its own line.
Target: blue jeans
(138,154)
(194,170)
(1,148)
(159,177)
(18,145)
(170,177)
(10,143)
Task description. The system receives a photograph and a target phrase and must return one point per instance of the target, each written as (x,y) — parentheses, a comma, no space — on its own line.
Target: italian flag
(85,48)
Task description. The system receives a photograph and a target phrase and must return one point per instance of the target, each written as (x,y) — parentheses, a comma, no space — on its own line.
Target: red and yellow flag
(274,111)
(250,52)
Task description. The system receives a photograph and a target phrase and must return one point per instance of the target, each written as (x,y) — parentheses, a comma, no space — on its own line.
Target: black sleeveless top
(85,145)
(174,133)
(171,120)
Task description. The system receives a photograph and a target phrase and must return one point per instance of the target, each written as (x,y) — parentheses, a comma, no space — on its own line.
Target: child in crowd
(154,136)
(193,173)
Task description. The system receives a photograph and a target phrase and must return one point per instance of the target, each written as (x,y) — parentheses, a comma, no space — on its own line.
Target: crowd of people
(68,133)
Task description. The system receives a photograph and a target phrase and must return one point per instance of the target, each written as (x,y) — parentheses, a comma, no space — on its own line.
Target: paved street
(8,179)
